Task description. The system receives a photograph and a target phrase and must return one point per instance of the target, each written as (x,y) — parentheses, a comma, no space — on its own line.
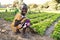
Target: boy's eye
(24,9)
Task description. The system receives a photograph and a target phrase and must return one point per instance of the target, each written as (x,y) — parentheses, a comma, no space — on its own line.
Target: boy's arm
(17,17)
(12,24)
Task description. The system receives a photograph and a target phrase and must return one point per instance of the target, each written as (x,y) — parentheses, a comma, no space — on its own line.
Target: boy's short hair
(23,6)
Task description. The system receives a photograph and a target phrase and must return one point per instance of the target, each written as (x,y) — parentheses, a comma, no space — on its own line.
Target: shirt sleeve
(17,17)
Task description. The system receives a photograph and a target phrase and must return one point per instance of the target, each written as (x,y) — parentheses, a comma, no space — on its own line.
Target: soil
(7,34)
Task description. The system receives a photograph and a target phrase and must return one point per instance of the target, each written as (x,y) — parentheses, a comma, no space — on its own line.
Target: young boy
(20,21)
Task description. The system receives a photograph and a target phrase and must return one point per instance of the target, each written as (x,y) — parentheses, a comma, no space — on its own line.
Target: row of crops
(8,16)
(39,21)
(41,18)
(41,27)
(56,33)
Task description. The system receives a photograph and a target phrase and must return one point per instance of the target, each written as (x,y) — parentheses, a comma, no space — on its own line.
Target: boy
(20,21)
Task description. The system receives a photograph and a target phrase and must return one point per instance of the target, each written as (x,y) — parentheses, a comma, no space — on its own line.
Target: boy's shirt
(18,17)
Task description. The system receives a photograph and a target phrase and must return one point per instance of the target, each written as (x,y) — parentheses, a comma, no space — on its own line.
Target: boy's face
(24,11)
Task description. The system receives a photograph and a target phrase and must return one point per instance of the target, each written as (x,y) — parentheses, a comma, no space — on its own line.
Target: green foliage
(16,10)
(42,26)
(56,33)
(41,18)
(7,15)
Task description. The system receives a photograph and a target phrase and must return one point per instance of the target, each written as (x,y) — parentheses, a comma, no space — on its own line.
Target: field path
(7,34)
(51,28)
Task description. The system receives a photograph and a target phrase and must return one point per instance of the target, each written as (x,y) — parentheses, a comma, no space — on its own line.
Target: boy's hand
(28,24)
(19,26)
(17,22)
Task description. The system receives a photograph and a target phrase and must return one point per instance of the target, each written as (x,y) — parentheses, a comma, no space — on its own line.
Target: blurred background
(38,5)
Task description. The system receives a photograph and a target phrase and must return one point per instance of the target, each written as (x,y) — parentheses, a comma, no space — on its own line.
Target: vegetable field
(56,33)
(40,22)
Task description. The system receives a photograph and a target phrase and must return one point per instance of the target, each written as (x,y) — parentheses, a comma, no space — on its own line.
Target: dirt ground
(7,34)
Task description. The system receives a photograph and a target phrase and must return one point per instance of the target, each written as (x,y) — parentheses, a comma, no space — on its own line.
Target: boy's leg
(17,30)
(24,30)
